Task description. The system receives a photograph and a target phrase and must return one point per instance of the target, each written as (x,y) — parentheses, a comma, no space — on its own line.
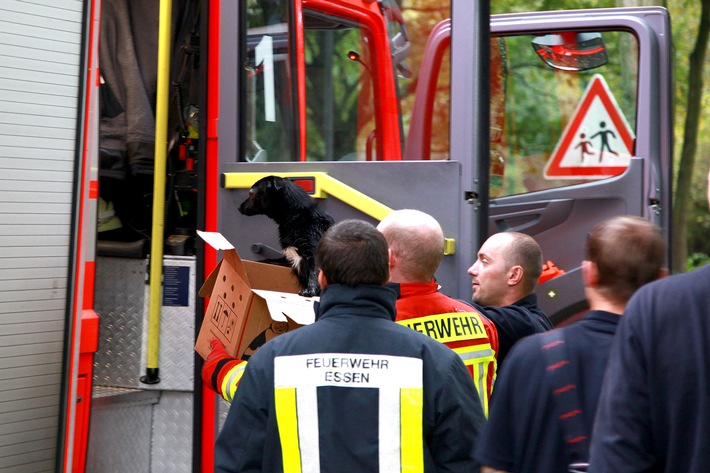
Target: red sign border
(596,88)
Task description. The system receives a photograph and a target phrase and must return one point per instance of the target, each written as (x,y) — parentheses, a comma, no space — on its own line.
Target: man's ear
(322,281)
(392,259)
(515,275)
(590,274)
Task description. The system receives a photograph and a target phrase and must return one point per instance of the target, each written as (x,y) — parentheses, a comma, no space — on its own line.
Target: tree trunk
(681,203)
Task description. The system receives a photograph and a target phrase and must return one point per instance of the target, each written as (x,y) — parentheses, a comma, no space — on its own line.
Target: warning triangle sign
(597,142)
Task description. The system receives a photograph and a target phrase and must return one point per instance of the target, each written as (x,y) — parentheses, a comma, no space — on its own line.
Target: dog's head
(265,196)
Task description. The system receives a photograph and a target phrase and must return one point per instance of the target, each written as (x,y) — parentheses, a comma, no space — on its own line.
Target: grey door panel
(560,219)
(531,217)
(430,186)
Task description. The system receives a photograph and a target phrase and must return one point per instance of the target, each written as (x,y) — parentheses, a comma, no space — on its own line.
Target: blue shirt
(523,433)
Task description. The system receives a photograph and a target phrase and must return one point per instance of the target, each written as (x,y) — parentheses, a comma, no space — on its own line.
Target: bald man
(416,243)
(504,277)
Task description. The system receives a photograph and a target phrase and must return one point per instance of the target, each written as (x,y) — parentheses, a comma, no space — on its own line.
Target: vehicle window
(425,92)
(269,122)
(340,123)
(339,104)
(558,126)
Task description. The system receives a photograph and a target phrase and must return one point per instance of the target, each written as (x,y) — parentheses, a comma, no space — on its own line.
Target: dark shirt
(516,321)
(654,410)
(523,433)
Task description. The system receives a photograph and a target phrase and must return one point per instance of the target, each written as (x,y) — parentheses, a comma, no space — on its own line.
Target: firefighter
(416,242)
(654,413)
(353,391)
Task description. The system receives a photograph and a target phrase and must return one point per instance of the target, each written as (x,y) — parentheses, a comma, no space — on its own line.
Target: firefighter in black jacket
(355,391)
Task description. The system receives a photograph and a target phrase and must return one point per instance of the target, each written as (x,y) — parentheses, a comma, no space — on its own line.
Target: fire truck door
(363,190)
(580,131)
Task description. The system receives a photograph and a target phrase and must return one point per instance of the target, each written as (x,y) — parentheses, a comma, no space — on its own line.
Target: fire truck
(129,125)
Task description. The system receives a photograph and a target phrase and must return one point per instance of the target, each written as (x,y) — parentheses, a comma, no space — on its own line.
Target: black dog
(300,223)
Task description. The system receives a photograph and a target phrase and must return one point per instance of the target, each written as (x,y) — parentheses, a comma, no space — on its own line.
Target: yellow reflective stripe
(230,382)
(285,399)
(449,327)
(480,371)
(479,357)
(412,435)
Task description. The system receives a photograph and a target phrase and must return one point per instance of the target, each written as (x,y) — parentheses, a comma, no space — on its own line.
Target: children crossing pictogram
(597,142)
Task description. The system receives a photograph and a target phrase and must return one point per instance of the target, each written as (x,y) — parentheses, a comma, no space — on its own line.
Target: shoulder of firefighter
(462,328)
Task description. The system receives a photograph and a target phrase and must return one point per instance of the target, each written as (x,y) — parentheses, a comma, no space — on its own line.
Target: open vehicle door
(587,131)
(580,128)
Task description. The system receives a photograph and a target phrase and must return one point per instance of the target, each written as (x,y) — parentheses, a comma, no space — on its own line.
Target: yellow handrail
(325,184)
(158,228)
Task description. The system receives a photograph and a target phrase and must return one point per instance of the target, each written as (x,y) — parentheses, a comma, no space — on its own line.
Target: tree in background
(683,190)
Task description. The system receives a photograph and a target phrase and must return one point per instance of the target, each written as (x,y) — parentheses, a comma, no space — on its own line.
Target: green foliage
(686,15)
(696,260)
(517,6)
(698,215)
(332,88)
(685,19)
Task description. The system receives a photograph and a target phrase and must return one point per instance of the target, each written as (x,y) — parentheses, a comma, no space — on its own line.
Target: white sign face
(597,142)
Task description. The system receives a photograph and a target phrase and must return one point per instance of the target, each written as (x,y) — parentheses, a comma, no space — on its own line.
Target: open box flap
(282,305)
(217,241)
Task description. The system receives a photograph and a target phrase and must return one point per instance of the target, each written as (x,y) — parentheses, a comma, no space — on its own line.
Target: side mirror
(571,51)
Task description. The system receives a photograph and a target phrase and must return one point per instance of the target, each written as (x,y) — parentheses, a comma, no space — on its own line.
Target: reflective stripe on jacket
(421,307)
(398,382)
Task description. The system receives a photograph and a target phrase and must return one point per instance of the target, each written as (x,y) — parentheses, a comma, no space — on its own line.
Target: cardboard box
(250,302)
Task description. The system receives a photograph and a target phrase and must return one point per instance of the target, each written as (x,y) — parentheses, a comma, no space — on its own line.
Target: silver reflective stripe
(478,359)
(388,374)
(487,352)
(390,435)
(230,381)
(481,381)
(308,438)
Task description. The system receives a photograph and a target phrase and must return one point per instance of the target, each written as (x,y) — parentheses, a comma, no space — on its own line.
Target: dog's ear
(270,182)
(278,183)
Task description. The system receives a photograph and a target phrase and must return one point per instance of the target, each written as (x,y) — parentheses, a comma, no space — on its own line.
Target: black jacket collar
(364,300)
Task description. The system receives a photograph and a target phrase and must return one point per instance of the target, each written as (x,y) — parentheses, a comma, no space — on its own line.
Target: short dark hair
(628,252)
(526,252)
(353,252)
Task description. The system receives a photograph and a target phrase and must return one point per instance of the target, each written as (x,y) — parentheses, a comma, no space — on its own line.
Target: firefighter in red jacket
(416,243)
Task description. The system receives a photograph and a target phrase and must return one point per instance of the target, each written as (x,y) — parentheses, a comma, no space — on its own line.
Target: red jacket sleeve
(221,372)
